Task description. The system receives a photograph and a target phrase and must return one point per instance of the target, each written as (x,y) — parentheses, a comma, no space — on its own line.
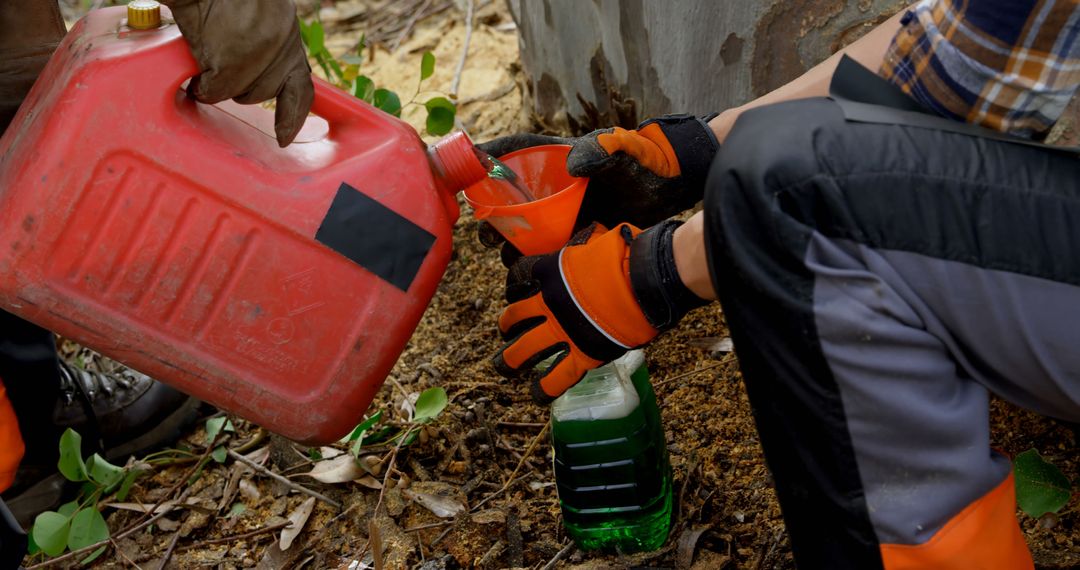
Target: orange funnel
(541,226)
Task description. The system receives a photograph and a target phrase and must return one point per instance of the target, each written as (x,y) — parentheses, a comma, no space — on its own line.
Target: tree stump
(599,63)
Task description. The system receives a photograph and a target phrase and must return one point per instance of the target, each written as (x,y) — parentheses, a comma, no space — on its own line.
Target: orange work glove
(603,294)
(249,51)
(640,176)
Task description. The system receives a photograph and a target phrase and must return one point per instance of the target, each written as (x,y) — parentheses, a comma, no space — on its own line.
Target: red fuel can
(278,284)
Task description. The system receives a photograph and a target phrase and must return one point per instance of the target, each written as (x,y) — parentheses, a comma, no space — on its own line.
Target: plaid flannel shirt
(1009,65)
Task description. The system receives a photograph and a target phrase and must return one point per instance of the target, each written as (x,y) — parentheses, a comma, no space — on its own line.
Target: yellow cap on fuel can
(143,14)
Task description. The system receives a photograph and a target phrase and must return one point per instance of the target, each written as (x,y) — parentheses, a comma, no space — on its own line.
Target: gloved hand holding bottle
(606,292)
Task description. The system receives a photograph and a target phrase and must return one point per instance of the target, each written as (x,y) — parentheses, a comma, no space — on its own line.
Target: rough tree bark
(595,63)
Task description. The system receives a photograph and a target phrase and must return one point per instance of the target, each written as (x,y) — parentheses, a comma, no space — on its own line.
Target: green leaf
(68,509)
(407,438)
(364,88)
(356,447)
(365,425)
(440,121)
(94,555)
(314,37)
(87,527)
(378,435)
(213,428)
(50,532)
(388,101)
(334,66)
(357,435)
(237,509)
(427,65)
(350,74)
(430,404)
(305,30)
(440,102)
(102,472)
(1040,486)
(71,463)
(351,59)
(219,454)
(129,481)
(314,454)
(32,547)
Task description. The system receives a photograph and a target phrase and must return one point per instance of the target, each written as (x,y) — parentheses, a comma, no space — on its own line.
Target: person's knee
(769,150)
(776,146)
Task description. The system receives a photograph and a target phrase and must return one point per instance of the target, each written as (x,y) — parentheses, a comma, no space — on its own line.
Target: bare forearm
(868,50)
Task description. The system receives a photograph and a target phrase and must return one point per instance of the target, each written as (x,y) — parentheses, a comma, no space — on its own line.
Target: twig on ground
(693,465)
(234,537)
(528,452)
(501,490)
(187,475)
(429,525)
(283,480)
(559,556)
(409,26)
(464,49)
(691,373)
(116,547)
(260,435)
(521,424)
(169,551)
(488,97)
(766,554)
(511,480)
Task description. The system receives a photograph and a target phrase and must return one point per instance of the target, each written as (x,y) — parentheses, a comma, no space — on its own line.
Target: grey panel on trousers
(911,341)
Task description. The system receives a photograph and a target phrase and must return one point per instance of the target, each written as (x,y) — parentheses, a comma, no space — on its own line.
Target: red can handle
(334,105)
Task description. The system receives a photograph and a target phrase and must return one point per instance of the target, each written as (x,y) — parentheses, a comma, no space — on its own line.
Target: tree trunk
(615,62)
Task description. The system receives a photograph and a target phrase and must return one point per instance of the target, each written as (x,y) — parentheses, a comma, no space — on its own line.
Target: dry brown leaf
(375,543)
(330,452)
(259,456)
(442,507)
(340,469)
(167,524)
(489,516)
(250,490)
(369,482)
(688,544)
(371,463)
(298,518)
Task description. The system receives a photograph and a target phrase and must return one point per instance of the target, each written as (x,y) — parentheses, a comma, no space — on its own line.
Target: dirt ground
(491,433)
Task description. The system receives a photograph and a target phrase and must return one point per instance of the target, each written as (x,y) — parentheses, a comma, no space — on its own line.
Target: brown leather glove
(29,32)
(249,51)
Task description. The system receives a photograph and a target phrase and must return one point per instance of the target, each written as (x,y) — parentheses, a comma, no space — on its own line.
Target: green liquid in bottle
(611,464)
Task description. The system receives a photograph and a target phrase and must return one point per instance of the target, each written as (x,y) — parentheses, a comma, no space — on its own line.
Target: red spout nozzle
(456,162)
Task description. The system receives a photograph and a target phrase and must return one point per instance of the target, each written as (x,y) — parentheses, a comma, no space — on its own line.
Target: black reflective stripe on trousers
(767,296)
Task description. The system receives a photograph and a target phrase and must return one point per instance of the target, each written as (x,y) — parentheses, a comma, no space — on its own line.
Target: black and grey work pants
(880,281)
